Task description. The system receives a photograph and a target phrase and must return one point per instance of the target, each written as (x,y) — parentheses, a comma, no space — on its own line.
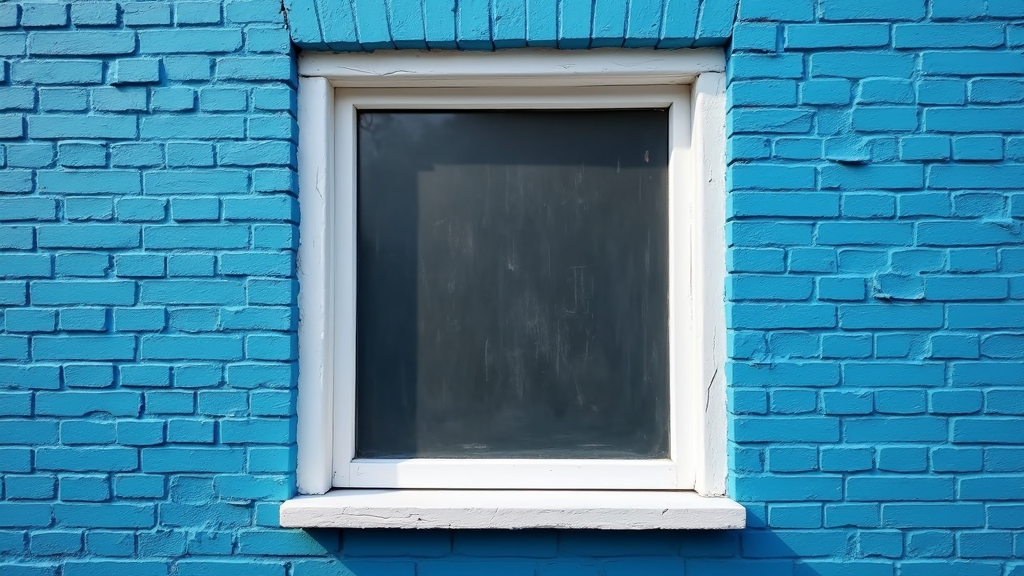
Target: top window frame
(333,86)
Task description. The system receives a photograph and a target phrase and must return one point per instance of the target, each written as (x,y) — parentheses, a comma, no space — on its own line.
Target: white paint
(512,509)
(674,473)
(680,298)
(526,67)
(342,269)
(514,474)
(316,141)
(709,285)
(512,79)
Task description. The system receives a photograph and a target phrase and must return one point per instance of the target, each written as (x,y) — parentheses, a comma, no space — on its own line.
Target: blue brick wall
(875,290)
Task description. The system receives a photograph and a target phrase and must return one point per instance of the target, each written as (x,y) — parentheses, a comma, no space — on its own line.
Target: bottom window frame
(333,87)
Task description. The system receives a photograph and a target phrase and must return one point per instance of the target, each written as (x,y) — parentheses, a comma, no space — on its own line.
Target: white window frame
(333,86)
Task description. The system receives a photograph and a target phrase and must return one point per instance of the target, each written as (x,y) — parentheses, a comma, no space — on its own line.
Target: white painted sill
(513,509)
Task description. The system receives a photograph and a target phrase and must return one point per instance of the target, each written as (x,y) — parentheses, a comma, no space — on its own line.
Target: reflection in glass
(512,284)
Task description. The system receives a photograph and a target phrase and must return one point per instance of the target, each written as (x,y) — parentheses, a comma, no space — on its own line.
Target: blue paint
(148,224)
(473,25)
(439,24)
(406,24)
(643,23)
(609,24)
(508,23)
(372,25)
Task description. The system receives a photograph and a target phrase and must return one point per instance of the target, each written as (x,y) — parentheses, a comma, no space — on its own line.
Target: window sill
(512,509)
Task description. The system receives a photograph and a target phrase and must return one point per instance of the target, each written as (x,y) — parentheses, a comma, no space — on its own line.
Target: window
(511,269)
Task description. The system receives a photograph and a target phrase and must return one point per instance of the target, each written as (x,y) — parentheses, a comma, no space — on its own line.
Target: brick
(789,488)
(17,238)
(173,99)
(147,14)
(768,66)
(25,515)
(83,292)
(777,429)
(995,91)
(9,15)
(195,265)
(201,126)
(139,265)
(88,376)
(192,292)
(887,488)
(81,43)
(83,403)
(91,236)
(275,542)
(54,542)
(885,118)
(895,429)
(985,544)
(44,14)
(191,347)
(25,266)
(30,155)
(84,488)
(890,177)
(192,459)
(94,14)
(925,148)
(11,126)
(945,516)
(274,180)
(30,320)
(27,432)
(985,316)
(1003,516)
(267,40)
(272,127)
(135,71)
(108,516)
(892,374)
(82,264)
(17,98)
(959,35)
(255,431)
(872,10)
(825,92)
(197,13)
(203,237)
(974,119)
(189,41)
(886,91)
(795,204)
(813,36)
(890,316)
(213,567)
(769,121)
(86,209)
(991,431)
(857,65)
(141,209)
(222,99)
(206,182)
(971,63)
(760,316)
(57,72)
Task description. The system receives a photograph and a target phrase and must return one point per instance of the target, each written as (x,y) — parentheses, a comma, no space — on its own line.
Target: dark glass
(512,284)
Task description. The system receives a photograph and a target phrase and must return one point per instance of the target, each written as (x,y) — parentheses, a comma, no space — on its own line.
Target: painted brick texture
(875,290)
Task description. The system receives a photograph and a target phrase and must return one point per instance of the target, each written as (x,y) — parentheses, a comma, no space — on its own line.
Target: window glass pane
(513,284)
